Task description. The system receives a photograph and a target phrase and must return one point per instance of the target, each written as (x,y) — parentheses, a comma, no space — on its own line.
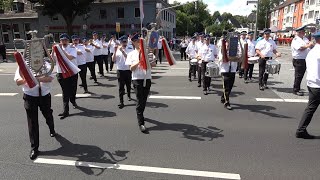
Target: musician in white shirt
(112,44)
(105,51)
(183,47)
(139,75)
(228,71)
(300,47)
(97,52)
(90,59)
(81,61)
(192,52)
(68,85)
(313,83)
(251,53)
(199,43)
(243,40)
(123,70)
(207,53)
(265,48)
(160,50)
(32,100)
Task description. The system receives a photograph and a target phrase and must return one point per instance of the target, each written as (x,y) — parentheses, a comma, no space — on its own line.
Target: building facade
(295,13)
(102,18)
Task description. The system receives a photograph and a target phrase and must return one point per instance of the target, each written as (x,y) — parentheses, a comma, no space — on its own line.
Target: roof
(27,14)
(286,3)
(252,17)
(235,22)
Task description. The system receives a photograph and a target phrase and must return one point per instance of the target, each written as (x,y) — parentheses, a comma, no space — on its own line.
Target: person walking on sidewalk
(3,51)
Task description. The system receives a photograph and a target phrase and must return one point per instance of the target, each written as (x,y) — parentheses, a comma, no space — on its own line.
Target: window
(16,32)
(290,19)
(310,14)
(27,27)
(294,19)
(312,2)
(287,20)
(103,14)
(305,16)
(302,18)
(316,15)
(5,27)
(137,12)
(54,18)
(120,12)
(6,38)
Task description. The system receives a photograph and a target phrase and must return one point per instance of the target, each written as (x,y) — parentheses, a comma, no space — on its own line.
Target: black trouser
(69,90)
(228,81)
(105,60)
(4,55)
(205,79)
(111,62)
(248,71)
(31,105)
(192,70)
(160,55)
(92,69)
(299,70)
(124,79)
(83,75)
(99,61)
(183,53)
(199,73)
(241,70)
(142,96)
(314,101)
(263,75)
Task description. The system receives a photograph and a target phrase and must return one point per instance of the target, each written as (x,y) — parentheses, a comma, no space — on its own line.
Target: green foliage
(6,4)
(68,9)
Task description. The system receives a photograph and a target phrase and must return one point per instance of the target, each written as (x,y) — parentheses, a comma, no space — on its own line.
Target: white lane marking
(77,95)
(8,94)
(175,97)
(179,68)
(269,100)
(183,172)
(296,100)
(6,74)
(282,100)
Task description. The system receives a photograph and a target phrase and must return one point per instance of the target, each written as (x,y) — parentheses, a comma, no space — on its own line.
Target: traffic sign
(117,27)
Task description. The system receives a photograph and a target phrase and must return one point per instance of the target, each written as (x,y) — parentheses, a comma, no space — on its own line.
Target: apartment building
(295,13)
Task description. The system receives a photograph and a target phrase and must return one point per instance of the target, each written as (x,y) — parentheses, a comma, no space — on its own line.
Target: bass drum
(212,70)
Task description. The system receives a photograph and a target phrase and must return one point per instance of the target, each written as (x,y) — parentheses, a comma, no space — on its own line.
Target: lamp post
(256,26)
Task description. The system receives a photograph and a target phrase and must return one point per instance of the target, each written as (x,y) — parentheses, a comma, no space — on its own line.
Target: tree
(68,9)
(264,10)
(6,4)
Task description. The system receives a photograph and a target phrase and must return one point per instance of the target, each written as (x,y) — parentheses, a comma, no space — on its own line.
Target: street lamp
(256,26)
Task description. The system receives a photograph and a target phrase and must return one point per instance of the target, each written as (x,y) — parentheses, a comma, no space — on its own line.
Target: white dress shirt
(296,44)
(89,55)
(81,59)
(120,59)
(208,52)
(225,67)
(45,87)
(138,73)
(105,50)
(251,47)
(160,44)
(96,51)
(72,51)
(266,47)
(199,44)
(313,67)
(192,50)
(113,45)
(184,44)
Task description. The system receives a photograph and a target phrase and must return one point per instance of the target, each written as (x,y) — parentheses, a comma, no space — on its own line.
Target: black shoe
(227,106)
(90,78)
(199,85)
(143,129)
(304,135)
(63,115)
(101,75)
(52,133)
(223,101)
(86,92)
(80,85)
(121,105)
(205,92)
(246,81)
(190,80)
(5,60)
(34,154)
(75,105)
(266,87)
(96,81)
(298,93)
(261,88)
(240,76)
(129,98)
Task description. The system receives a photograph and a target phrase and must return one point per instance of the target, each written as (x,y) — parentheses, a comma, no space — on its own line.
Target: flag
(25,71)
(171,60)
(141,11)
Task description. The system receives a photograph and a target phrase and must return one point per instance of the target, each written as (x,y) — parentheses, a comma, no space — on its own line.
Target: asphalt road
(255,140)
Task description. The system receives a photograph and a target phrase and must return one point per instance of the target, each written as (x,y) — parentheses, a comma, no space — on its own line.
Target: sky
(235,7)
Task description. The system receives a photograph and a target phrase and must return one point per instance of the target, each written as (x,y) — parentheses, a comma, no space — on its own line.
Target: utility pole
(256,25)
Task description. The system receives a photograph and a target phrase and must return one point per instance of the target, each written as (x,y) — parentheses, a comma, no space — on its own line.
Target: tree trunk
(69,23)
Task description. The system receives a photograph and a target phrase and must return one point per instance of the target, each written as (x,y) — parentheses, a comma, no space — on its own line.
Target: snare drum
(253,60)
(273,67)
(193,62)
(212,70)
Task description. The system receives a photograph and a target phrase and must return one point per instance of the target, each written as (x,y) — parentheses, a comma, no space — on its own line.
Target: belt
(267,58)
(298,59)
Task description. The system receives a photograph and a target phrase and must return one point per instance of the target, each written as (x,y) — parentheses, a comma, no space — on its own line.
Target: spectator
(183,47)
(3,52)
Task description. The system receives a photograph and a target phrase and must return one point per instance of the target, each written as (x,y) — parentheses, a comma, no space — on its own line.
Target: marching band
(129,55)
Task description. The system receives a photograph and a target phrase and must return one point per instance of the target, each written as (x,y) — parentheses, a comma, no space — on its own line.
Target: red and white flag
(25,71)
(171,60)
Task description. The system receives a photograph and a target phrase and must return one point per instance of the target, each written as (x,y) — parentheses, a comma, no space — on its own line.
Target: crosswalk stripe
(148,169)
(175,97)
(77,95)
(8,94)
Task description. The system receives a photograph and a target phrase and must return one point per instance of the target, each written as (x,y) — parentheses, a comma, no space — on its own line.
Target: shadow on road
(233,93)
(96,96)
(93,113)
(102,85)
(189,131)
(86,153)
(263,109)
(156,105)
